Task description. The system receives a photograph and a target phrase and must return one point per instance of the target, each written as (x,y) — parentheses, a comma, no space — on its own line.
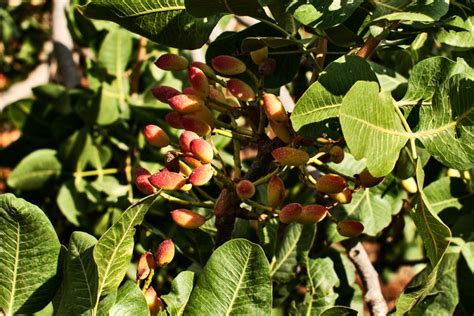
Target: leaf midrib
(15,269)
(157,10)
(238,284)
(283,259)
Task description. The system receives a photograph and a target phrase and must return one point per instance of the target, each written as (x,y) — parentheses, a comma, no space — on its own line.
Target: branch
(370,279)
(63,45)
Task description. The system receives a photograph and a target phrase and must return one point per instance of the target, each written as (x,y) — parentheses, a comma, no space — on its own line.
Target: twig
(370,278)
(135,77)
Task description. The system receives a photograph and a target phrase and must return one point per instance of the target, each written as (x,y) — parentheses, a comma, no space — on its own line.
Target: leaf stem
(98,172)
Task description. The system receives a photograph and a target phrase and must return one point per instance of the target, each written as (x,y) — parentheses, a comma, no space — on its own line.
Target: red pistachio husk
(174,120)
(216,95)
(282,131)
(186,103)
(331,183)
(202,150)
(167,180)
(336,154)
(164,253)
(240,90)
(312,214)
(187,219)
(145,265)
(163,93)
(171,62)
(275,191)
(275,111)
(185,140)
(142,181)
(154,303)
(245,189)
(191,161)
(156,136)
(290,156)
(201,175)
(204,67)
(290,213)
(350,228)
(197,125)
(228,65)
(198,80)
(367,180)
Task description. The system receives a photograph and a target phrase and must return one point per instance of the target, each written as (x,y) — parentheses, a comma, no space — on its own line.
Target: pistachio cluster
(213,103)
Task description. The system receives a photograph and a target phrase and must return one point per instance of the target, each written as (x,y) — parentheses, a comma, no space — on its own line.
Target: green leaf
(35,170)
(71,203)
(409,10)
(369,207)
(322,279)
(339,311)
(458,38)
(283,266)
(235,281)
(113,252)
(30,254)
(323,14)
(129,301)
(205,8)
(435,234)
(323,99)
(371,127)
(163,21)
(178,297)
(428,75)
(467,251)
(449,193)
(432,291)
(446,127)
(79,286)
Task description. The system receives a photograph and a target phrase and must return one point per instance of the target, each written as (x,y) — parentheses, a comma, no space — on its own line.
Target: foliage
(322,124)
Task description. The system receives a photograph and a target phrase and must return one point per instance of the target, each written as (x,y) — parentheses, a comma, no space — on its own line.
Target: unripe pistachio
(186,187)
(258,56)
(228,65)
(167,180)
(197,125)
(331,183)
(185,140)
(282,131)
(171,62)
(267,67)
(174,120)
(163,93)
(232,102)
(245,189)
(275,191)
(453,173)
(204,67)
(186,103)
(222,203)
(344,197)
(409,185)
(190,90)
(154,303)
(290,156)
(202,150)
(201,175)
(191,161)
(198,81)
(142,181)
(350,228)
(336,154)
(312,214)
(145,265)
(240,90)
(290,213)
(274,109)
(205,115)
(187,219)
(155,136)
(184,169)
(164,253)
(216,95)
